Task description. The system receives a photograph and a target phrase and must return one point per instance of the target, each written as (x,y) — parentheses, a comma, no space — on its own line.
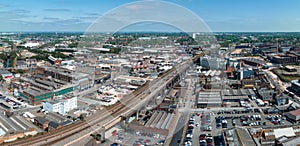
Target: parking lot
(205,124)
(130,137)
(8,103)
(200,130)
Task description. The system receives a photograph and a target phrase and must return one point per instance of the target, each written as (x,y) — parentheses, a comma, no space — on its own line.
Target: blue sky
(219,15)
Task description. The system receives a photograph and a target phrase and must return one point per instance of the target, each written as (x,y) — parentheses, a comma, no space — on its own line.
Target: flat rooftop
(209,98)
(160,120)
(66,72)
(245,137)
(15,123)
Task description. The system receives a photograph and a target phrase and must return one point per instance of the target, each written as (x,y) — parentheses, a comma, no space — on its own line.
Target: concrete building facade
(62,106)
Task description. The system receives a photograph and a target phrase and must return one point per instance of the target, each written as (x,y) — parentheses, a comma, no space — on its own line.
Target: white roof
(2,132)
(100,49)
(289,132)
(31,44)
(29,114)
(130,86)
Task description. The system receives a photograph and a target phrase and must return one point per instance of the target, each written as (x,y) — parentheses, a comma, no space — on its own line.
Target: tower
(277,48)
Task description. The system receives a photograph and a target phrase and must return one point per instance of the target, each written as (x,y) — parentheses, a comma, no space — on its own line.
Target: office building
(61,105)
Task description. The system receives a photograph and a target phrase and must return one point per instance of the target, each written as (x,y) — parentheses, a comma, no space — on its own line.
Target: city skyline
(176,72)
(220,16)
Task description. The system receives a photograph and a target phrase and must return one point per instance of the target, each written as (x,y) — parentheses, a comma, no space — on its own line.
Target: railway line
(115,111)
(111,112)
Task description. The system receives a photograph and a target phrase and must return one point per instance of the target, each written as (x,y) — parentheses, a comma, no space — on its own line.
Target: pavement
(181,126)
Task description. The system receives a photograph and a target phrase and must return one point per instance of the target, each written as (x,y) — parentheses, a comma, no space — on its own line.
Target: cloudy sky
(219,15)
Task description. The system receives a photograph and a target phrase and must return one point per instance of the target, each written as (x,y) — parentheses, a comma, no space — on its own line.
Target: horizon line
(149,32)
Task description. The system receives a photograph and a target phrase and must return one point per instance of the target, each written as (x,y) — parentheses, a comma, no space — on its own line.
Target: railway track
(112,111)
(118,109)
(44,137)
(115,111)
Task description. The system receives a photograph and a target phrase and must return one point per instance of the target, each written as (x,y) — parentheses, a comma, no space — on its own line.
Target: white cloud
(57,10)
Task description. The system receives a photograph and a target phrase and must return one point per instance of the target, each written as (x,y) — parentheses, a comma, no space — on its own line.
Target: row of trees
(9,56)
(43,55)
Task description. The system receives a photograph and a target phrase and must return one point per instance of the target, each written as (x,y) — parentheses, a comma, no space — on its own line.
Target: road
(216,109)
(89,101)
(180,127)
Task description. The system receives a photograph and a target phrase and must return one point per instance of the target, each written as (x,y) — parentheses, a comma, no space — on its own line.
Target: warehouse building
(209,99)
(294,115)
(160,122)
(14,127)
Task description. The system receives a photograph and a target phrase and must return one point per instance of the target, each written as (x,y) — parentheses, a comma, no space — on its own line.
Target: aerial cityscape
(150,72)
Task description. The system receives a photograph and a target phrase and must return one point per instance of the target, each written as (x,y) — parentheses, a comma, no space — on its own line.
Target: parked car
(202,143)
(202,137)
(209,140)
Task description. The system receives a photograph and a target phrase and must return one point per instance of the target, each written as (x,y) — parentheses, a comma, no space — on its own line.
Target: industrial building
(233,95)
(52,81)
(293,115)
(253,62)
(238,136)
(296,87)
(51,121)
(13,127)
(280,135)
(41,89)
(161,122)
(209,99)
(288,58)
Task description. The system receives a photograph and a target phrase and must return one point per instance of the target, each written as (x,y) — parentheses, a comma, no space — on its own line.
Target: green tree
(81,117)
